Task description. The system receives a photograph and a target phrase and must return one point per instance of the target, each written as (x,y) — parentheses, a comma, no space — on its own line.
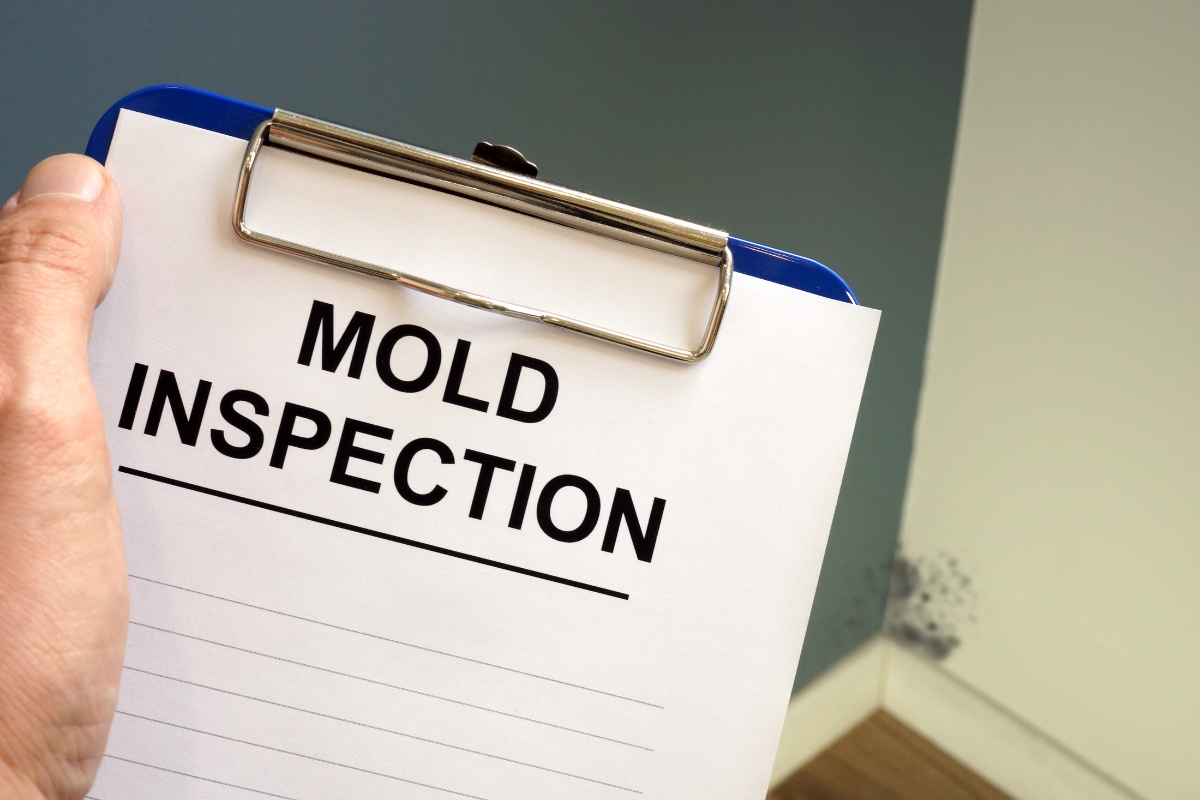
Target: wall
(825,128)
(1053,515)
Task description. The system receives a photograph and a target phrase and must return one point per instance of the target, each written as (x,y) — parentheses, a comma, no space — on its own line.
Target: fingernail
(72,175)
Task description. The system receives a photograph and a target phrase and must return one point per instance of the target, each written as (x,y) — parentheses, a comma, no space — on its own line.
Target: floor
(883,759)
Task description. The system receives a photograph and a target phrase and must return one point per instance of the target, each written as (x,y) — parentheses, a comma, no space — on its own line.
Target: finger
(63,601)
(60,235)
(59,241)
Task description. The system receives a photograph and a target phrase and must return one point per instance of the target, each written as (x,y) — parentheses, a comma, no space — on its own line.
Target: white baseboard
(829,707)
(1000,748)
(979,734)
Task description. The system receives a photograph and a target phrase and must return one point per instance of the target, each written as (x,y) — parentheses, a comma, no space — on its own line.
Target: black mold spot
(928,600)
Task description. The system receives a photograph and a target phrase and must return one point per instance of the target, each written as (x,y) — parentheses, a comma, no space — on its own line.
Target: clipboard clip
(499,187)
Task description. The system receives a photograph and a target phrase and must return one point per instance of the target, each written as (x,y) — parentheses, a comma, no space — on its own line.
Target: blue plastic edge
(195,107)
(789,269)
(221,114)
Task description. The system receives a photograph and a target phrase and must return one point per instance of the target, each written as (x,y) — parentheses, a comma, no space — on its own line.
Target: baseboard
(980,735)
(830,707)
(997,746)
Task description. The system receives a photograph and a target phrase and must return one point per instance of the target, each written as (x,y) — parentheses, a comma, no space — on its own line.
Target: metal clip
(497,187)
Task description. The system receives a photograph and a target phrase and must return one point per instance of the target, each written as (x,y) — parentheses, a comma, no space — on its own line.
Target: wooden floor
(883,759)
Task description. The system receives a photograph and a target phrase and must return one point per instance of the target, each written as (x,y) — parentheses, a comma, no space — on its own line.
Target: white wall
(1057,457)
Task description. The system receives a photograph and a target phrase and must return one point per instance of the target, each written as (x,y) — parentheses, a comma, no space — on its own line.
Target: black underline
(346,526)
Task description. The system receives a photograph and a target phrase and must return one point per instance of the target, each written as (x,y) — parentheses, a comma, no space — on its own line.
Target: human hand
(64,604)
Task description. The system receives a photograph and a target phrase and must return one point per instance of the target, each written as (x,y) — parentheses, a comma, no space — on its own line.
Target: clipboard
(261,126)
(301,630)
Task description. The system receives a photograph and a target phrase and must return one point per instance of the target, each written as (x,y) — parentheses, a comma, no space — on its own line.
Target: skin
(64,604)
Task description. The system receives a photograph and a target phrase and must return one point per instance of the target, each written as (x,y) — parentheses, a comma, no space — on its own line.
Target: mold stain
(929,601)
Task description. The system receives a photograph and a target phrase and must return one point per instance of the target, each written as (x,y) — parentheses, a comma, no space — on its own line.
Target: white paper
(277,655)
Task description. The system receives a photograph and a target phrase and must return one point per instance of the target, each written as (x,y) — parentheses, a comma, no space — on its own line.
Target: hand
(64,603)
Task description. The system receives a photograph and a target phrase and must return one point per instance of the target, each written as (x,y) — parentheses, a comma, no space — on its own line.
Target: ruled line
(302,755)
(394,641)
(383,730)
(197,777)
(346,526)
(388,685)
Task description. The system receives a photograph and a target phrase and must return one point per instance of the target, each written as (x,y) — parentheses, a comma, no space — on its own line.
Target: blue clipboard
(240,119)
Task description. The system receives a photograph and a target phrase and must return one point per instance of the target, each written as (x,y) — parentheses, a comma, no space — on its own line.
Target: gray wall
(824,128)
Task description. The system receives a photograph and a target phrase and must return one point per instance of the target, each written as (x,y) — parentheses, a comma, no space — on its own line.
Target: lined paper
(383,576)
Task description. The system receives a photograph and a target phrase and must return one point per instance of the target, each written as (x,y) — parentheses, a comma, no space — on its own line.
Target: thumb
(59,240)
(62,579)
